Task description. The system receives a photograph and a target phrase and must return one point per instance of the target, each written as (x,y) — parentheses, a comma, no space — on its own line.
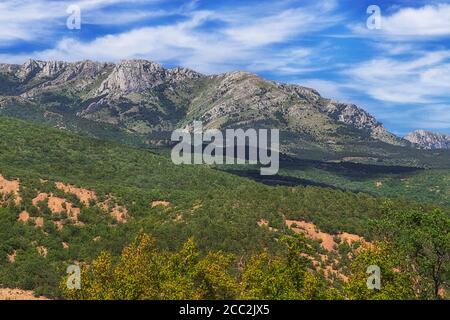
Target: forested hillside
(70,199)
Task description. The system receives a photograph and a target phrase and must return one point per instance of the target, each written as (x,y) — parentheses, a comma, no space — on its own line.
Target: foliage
(396,283)
(424,239)
(220,210)
(143,272)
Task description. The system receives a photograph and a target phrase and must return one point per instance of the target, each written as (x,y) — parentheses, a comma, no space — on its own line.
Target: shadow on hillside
(277,180)
(349,170)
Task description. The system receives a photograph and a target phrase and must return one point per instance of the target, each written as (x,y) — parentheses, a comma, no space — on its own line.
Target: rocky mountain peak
(301,92)
(32,68)
(358,118)
(429,140)
(139,75)
(179,73)
(350,114)
(8,68)
(132,76)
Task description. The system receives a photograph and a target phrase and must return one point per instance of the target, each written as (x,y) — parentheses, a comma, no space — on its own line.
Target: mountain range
(142,102)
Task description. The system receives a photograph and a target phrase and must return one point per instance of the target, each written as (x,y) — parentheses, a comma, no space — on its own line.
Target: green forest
(195,232)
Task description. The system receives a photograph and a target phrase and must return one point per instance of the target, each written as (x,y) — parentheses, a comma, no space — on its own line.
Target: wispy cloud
(424,79)
(237,41)
(29,20)
(280,27)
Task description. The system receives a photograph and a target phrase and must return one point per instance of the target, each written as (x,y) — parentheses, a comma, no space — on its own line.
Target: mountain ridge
(428,139)
(141,97)
(135,76)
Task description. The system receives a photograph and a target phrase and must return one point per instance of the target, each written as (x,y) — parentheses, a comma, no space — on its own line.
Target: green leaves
(396,283)
(424,240)
(142,272)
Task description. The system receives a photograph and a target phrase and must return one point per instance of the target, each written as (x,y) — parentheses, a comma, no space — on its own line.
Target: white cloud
(433,117)
(410,76)
(395,48)
(431,20)
(422,79)
(412,23)
(29,20)
(242,40)
(279,27)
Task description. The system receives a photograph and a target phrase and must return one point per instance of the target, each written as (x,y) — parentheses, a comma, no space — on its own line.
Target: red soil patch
(12,256)
(119,213)
(265,223)
(24,216)
(328,267)
(163,203)
(40,197)
(43,251)
(59,225)
(10,187)
(17,294)
(84,195)
(58,205)
(39,222)
(352,238)
(309,229)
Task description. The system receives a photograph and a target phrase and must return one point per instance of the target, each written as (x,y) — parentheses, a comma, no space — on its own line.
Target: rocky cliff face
(132,76)
(139,75)
(429,140)
(360,119)
(142,96)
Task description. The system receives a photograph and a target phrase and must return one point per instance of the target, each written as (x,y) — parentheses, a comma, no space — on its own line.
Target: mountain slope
(142,98)
(429,140)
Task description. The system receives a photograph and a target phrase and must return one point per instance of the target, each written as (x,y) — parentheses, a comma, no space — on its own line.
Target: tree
(424,238)
(285,276)
(396,284)
(143,272)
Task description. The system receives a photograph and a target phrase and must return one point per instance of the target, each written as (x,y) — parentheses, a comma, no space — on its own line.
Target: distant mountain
(429,140)
(141,98)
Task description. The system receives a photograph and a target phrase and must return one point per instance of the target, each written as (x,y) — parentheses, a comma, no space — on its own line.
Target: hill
(67,197)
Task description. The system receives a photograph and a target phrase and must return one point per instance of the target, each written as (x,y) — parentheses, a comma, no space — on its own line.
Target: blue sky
(400,73)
